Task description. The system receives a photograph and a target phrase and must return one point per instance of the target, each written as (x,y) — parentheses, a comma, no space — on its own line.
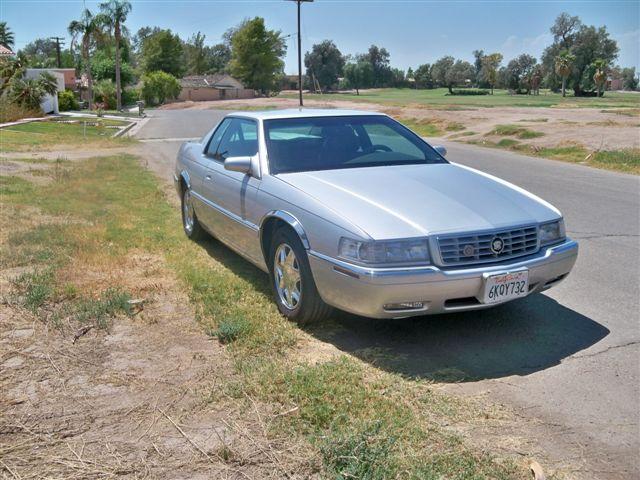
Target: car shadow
(518,338)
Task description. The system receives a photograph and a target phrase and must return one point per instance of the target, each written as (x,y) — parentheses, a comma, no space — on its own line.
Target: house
(615,83)
(220,86)
(70,80)
(6,52)
(49,103)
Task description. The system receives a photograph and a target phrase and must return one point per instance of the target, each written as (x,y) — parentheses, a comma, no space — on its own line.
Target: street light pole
(300,51)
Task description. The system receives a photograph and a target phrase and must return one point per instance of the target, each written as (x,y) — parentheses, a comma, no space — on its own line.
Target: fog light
(391,307)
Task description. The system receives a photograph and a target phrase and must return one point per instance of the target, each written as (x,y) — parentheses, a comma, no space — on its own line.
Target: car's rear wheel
(190,223)
(293,286)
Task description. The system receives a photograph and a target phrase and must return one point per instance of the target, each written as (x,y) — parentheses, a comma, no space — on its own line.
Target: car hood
(416,200)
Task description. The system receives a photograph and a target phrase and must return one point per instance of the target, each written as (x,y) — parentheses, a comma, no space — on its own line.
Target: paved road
(569,357)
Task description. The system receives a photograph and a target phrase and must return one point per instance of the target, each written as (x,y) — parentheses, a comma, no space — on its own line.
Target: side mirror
(440,149)
(238,164)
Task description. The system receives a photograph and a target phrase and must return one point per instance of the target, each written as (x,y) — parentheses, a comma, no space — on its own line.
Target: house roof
(219,80)
(6,52)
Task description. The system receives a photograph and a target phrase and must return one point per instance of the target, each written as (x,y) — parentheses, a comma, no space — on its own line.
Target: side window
(215,138)
(239,140)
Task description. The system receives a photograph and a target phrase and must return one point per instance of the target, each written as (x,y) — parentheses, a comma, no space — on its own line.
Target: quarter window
(215,138)
(239,140)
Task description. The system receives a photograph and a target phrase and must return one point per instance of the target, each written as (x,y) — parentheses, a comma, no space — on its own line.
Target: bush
(469,91)
(104,92)
(158,87)
(10,111)
(130,96)
(67,101)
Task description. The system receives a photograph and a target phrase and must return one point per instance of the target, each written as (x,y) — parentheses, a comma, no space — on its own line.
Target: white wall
(49,103)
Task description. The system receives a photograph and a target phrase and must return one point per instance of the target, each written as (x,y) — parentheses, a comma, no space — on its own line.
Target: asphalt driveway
(569,357)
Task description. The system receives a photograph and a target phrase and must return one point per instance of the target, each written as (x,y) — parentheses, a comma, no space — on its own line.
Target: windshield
(332,143)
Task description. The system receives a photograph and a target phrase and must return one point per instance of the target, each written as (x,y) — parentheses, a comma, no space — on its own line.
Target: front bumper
(364,291)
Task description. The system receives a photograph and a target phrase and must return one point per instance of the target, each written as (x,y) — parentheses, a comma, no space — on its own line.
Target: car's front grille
(470,248)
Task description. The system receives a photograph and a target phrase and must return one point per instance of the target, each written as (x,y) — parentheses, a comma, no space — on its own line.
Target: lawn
(356,420)
(49,134)
(438,99)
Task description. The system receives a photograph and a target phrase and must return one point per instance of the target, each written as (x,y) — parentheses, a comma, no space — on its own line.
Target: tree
(115,14)
(379,58)
(586,43)
(196,54)
(600,75)
(105,91)
(325,63)
(163,51)
(563,67)
(489,70)
(440,69)
(103,66)
(358,74)
(478,56)
(629,79)
(30,92)
(218,58)
(256,55)
(86,29)
(458,74)
(423,76)
(158,87)
(7,39)
(42,53)
(519,71)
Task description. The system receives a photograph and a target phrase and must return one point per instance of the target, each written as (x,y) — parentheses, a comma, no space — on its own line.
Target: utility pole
(59,42)
(300,50)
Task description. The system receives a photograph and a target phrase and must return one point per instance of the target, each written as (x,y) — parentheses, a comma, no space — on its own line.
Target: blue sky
(414,32)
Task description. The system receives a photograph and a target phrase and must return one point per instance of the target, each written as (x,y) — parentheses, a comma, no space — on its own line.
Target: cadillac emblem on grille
(468,250)
(497,245)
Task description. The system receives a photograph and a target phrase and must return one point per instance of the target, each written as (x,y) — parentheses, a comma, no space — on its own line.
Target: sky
(414,32)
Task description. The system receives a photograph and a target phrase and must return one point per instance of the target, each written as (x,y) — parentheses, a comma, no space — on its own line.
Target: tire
(295,295)
(190,224)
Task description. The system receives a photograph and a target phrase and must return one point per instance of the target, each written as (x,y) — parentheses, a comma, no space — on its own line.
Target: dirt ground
(589,127)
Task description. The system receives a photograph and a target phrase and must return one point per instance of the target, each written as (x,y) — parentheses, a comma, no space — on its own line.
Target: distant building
(49,103)
(199,88)
(6,52)
(614,83)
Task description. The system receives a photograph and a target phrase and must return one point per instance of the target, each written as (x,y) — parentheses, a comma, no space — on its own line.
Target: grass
(361,421)
(626,160)
(515,130)
(431,127)
(48,135)
(438,99)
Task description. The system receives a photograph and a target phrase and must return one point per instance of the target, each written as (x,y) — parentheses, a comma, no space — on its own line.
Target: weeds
(515,130)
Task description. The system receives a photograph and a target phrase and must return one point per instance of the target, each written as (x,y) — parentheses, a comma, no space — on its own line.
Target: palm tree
(564,65)
(115,13)
(7,38)
(86,29)
(30,92)
(600,75)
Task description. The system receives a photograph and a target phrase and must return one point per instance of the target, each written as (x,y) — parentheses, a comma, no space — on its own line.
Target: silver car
(352,210)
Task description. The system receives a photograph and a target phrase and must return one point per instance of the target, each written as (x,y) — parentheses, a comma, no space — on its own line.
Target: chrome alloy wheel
(286,270)
(187,212)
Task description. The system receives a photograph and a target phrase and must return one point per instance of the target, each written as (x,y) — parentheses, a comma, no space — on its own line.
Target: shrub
(231,329)
(469,91)
(104,92)
(158,87)
(67,101)
(10,111)
(130,96)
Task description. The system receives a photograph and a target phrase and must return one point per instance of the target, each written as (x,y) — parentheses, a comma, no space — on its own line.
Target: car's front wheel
(190,223)
(292,282)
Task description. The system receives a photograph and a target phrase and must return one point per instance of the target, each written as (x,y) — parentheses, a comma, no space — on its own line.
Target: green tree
(103,66)
(7,38)
(489,71)
(629,78)
(30,92)
(256,55)
(158,87)
(163,51)
(380,61)
(105,93)
(115,14)
(478,56)
(358,74)
(325,62)
(586,43)
(423,76)
(519,71)
(41,53)
(218,58)
(440,69)
(196,54)
(563,66)
(86,29)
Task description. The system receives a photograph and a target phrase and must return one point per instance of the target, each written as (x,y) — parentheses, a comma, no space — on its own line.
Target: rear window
(328,143)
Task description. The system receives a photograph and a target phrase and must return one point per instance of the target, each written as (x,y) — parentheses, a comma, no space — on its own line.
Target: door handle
(207,177)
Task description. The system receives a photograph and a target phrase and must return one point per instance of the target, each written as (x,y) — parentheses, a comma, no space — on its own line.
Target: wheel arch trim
(184,175)
(290,220)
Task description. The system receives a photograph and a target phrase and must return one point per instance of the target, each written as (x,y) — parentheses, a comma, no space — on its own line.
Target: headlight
(394,251)
(552,232)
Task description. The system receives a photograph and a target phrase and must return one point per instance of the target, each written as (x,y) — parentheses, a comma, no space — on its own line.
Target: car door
(235,192)
(207,215)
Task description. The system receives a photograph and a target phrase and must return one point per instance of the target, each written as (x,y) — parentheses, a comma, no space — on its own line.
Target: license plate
(505,286)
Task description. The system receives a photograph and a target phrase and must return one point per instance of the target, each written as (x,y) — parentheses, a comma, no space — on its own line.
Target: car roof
(301,113)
